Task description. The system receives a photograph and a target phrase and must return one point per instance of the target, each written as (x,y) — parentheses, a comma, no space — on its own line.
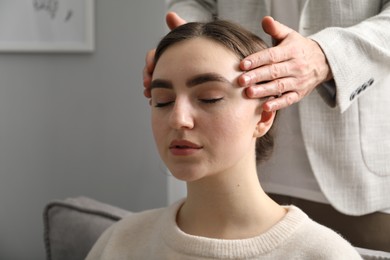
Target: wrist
(324,71)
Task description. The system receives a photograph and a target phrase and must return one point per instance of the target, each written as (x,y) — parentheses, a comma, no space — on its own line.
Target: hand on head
(289,71)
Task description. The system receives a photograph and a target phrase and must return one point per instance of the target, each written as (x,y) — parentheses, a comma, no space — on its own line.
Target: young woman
(210,135)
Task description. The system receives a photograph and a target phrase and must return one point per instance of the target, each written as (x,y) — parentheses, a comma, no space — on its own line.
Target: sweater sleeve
(194,10)
(359,57)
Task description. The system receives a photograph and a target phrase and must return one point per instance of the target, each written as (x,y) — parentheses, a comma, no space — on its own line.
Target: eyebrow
(191,82)
(206,77)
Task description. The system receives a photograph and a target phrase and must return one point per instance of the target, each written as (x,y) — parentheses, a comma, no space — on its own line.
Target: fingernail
(246,79)
(271,107)
(247,64)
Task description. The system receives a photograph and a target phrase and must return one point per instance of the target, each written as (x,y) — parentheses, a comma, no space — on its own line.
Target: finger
(271,55)
(147,79)
(148,71)
(267,56)
(274,88)
(283,101)
(147,93)
(149,61)
(275,29)
(266,73)
(173,20)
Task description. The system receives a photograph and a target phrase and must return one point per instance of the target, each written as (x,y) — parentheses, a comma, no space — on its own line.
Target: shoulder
(319,241)
(138,222)
(132,234)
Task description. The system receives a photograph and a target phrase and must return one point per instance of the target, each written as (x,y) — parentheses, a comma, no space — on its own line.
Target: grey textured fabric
(72,226)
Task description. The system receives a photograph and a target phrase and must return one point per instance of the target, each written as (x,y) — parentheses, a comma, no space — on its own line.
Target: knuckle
(280,86)
(256,77)
(290,100)
(302,66)
(250,79)
(256,60)
(272,55)
(278,70)
(296,51)
(274,71)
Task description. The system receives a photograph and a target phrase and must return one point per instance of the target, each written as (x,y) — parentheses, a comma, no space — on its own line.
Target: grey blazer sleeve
(356,44)
(194,10)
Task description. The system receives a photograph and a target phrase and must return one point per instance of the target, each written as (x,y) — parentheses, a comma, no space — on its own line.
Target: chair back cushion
(72,226)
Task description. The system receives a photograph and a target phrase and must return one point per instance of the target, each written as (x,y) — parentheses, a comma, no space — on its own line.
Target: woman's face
(202,122)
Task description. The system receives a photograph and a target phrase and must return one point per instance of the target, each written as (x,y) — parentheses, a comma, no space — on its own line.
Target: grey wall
(78,124)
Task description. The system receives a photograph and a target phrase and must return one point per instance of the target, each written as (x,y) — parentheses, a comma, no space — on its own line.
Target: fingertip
(268,106)
(268,18)
(267,22)
(170,19)
(147,93)
(173,20)
(245,65)
(243,80)
(250,92)
(169,16)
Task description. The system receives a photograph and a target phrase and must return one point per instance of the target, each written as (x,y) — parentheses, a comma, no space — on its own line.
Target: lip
(183,147)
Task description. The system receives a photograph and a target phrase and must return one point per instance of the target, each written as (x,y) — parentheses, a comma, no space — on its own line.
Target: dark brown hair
(235,38)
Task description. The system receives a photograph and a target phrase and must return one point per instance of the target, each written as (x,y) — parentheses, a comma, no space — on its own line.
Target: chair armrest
(72,226)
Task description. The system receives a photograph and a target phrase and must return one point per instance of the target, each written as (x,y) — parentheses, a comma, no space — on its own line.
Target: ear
(264,124)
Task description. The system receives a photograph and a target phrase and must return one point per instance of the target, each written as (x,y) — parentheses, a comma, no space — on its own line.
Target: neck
(229,205)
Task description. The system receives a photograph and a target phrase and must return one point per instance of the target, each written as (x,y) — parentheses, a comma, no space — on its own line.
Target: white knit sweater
(154,234)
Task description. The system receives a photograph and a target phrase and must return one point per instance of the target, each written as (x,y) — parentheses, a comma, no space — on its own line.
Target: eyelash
(205,101)
(163,104)
(211,101)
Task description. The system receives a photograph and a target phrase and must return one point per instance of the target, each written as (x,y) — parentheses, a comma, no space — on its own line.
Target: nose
(181,115)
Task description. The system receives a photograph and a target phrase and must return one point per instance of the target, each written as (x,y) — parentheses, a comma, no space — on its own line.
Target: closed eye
(211,101)
(163,104)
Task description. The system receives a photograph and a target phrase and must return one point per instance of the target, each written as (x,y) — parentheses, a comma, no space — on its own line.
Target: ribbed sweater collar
(205,247)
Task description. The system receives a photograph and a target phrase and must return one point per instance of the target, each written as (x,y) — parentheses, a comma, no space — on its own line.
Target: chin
(186,173)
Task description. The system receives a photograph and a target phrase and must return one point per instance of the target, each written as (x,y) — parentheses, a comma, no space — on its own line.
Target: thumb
(173,20)
(275,29)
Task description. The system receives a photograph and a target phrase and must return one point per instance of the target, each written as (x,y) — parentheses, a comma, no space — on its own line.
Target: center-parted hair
(233,37)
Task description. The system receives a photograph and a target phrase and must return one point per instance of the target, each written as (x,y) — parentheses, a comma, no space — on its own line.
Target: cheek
(237,125)
(232,125)
(157,128)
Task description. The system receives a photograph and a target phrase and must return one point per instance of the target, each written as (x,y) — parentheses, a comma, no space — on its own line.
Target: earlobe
(265,123)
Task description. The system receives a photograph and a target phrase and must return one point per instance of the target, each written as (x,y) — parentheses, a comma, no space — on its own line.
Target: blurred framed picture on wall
(47,26)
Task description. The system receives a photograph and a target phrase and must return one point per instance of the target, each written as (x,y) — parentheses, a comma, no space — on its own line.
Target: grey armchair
(73,225)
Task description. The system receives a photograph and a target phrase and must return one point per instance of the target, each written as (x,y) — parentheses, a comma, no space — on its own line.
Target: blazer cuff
(327,91)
